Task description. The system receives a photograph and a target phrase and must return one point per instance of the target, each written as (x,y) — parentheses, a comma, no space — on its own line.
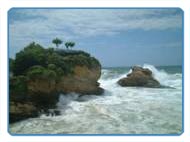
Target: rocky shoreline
(38,76)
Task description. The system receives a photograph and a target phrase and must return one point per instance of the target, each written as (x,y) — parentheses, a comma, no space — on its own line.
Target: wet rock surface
(140,77)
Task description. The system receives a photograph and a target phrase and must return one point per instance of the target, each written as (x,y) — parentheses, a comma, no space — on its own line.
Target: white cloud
(46,24)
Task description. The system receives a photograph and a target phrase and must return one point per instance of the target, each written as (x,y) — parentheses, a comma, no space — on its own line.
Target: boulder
(141,77)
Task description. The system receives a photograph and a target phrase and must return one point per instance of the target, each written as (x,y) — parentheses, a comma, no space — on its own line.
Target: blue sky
(117,37)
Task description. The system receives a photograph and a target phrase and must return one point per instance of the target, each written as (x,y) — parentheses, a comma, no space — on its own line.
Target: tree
(57,42)
(72,44)
(69,44)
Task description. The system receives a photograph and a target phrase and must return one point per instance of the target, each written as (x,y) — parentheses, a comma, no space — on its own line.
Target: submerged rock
(140,77)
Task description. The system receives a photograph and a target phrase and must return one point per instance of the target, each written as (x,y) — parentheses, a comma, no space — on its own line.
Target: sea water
(120,110)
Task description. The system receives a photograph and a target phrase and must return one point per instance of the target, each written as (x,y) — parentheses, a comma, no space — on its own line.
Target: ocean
(120,110)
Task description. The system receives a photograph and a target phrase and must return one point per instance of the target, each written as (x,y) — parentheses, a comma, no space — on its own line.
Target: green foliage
(18,88)
(60,72)
(57,42)
(65,53)
(52,66)
(39,72)
(50,51)
(11,64)
(33,54)
(69,44)
(35,61)
(56,60)
(81,60)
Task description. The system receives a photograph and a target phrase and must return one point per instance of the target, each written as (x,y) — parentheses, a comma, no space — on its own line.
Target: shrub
(32,55)
(39,72)
(52,66)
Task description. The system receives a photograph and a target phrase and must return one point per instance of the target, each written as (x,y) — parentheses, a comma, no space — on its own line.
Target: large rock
(140,77)
(40,75)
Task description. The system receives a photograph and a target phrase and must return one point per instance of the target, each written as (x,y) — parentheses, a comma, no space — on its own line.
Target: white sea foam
(129,110)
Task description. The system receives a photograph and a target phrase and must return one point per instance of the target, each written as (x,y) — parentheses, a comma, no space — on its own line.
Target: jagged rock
(140,77)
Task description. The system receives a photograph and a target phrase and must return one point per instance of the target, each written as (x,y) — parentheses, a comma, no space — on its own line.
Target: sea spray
(165,78)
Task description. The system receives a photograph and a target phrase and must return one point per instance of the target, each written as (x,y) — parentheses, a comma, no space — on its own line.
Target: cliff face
(38,80)
(82,81)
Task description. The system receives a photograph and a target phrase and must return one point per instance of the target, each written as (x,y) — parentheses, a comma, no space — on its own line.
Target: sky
(116,37)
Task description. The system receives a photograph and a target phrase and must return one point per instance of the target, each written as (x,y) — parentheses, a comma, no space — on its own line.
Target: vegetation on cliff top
(55,62)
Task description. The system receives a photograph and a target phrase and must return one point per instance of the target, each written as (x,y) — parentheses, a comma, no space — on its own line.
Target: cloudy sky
(117,37)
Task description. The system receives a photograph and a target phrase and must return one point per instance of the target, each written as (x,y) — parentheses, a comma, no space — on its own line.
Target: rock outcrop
(39,75)
(21,111)
(140,77)
(83,81)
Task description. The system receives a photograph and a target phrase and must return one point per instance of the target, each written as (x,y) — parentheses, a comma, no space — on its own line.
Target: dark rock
(140,77)
(57,112)
(53,112)
(21,111)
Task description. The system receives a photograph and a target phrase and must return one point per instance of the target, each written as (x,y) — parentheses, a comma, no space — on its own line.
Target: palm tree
(72,44)
(57,42)
(69,44)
